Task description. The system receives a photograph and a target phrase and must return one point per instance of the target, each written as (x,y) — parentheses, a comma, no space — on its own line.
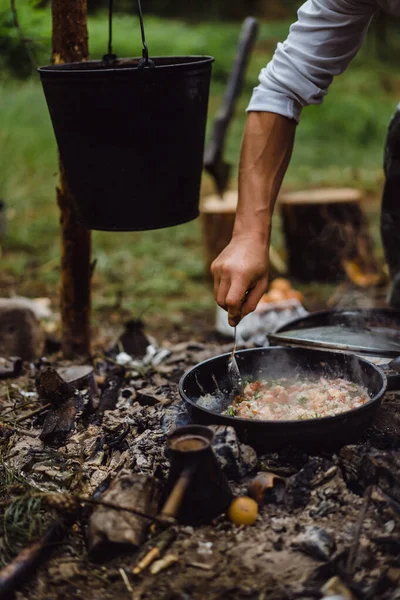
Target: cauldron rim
(124,65)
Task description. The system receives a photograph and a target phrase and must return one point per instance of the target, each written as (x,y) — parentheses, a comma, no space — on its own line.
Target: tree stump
(217,219)
(326,235)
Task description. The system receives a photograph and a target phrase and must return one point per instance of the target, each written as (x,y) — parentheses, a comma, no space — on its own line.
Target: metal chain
(145,61)
(109,57)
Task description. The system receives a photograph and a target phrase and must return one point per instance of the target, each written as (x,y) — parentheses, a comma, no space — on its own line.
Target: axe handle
(235,83)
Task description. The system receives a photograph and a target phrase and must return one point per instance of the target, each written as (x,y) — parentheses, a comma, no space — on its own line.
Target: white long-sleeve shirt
(320,45)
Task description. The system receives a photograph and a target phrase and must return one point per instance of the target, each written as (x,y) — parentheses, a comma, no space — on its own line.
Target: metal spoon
(233,370)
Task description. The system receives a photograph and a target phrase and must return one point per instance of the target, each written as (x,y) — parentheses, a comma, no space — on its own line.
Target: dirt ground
(303,539)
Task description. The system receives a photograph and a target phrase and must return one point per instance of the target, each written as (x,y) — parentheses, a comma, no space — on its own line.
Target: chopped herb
(231,412)
(302,400)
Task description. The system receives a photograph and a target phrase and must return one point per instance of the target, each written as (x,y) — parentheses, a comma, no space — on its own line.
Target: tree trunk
(70,44)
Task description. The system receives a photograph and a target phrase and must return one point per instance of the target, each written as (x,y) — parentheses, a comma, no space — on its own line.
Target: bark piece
(325,231)
(21,333)
(109,528)
(150,397)
(51,387)
(110,393)
(60,422)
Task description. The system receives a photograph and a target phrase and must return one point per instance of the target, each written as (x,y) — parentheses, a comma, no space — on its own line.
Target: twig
(126,580)
(17,430)
(17,25)
(33,413)
(123,508)
(391,501)
(355,545)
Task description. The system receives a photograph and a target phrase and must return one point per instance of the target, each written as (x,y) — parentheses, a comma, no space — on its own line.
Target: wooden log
(109,528)
(217,220)
(326,234)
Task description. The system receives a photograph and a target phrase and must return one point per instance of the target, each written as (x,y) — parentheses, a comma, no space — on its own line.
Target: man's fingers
(235,300)
(223,289)
(254,296)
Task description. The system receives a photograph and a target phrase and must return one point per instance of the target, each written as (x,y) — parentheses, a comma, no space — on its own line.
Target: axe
(213,158)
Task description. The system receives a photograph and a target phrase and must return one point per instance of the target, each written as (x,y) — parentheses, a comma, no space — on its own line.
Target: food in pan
(291,400)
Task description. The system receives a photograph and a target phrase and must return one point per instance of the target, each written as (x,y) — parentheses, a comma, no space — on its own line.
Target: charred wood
(51,387)
(363,466)
(60,421)
(110,393)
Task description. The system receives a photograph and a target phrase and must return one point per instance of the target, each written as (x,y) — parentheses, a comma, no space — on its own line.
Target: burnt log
(110,392)
(60,422)
(116,529)
(51,387)
(363,467)
(326,235)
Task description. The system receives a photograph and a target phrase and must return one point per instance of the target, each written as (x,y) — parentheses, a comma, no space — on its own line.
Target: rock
(21,333)
(235,459)
(316,542)
(175,415)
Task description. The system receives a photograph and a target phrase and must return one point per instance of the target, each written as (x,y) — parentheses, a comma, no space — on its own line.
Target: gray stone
(21,333)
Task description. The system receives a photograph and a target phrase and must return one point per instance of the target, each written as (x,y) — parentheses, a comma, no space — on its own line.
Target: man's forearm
(266,150)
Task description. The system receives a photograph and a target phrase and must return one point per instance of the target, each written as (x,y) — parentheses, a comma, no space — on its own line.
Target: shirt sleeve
(320,45)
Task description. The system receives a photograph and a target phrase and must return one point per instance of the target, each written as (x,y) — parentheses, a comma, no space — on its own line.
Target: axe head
(219,171)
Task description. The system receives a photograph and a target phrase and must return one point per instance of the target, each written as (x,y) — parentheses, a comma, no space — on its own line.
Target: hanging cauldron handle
(145,61)
(110,57)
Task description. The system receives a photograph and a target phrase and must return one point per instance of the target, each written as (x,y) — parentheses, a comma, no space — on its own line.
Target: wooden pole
(70,44)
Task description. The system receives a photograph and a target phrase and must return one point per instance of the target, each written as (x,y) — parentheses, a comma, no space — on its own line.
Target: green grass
(162,272)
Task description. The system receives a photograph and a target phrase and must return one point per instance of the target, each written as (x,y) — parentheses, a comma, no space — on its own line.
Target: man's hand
(240,276)
(240,271)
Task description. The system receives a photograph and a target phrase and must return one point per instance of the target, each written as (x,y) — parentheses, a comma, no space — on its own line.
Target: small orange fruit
(243,511)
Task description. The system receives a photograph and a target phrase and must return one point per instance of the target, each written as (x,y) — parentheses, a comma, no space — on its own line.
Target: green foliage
(162,272)
(22,520)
